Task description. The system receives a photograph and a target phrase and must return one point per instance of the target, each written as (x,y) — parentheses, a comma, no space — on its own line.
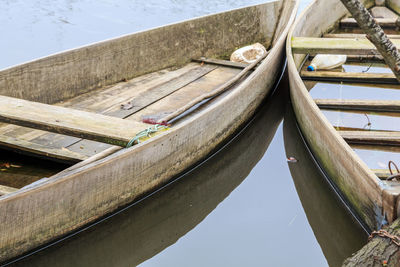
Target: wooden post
(380,251)
(375,34)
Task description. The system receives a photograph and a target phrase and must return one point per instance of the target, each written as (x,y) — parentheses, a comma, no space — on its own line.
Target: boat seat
(386,23)
(68,121)
(340,46)
(380,138)
(349,77)
(359,105)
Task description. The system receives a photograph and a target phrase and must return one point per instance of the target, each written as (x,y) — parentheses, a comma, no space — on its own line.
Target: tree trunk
(379,251)
(375,34)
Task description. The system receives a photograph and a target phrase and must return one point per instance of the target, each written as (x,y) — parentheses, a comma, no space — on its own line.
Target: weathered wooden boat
(89,106)
(158,221)
(341,147)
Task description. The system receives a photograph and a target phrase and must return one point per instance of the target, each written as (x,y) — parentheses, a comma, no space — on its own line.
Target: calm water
(243,207)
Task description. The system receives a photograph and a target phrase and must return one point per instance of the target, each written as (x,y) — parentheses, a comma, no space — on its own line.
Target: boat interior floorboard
(151,96)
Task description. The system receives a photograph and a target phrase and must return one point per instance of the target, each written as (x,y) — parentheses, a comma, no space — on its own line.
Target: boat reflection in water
(337,232)
(148,227)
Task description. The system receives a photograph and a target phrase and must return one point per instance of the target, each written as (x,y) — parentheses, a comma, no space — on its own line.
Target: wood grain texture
(355,35)
(361,105)
(358,184)
(141,92)
(385,138)
(342,46)
(385,23)
(100,187)
(349,77)
(45,151)
(68,121)
(167,105)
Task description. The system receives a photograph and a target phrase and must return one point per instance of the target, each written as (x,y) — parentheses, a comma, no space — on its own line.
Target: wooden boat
(85,105)
(177,208)
(341,147)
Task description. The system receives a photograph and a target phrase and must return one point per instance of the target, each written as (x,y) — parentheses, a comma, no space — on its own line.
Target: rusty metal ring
(390,168)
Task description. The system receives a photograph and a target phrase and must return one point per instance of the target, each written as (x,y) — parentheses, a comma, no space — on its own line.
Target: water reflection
(144,230)
(335,229)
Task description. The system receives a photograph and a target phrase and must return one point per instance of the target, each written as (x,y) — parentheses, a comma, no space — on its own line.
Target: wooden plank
(221,62)
(353,46)
(169,104)
(155,93)
(359,105)
(355,35)
(6,190)
(349,77)
(386,23)
(68,121)
(206,84)
(381,138)
(62,154)
(147,89)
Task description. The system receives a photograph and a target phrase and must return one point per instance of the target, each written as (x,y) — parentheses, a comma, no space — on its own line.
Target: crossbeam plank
(68,121)
(384,138)
(386,23)
(62,154)
(352,46)
(355,35)
(359,105)
(349,77)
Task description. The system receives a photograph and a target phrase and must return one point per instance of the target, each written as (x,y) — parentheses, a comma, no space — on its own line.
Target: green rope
(146,133)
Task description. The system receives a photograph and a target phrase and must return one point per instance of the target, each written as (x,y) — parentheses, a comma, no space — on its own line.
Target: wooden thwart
(68,121)
(386,23)
(355,35)
(384,138)
(359,105)
(349,77)
(62,154)
(343,46)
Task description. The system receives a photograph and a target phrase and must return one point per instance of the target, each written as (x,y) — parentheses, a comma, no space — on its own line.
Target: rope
(146,133)
(393,176)
(382,233)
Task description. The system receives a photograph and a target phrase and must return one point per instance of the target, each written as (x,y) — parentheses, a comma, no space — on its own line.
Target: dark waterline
(241,208)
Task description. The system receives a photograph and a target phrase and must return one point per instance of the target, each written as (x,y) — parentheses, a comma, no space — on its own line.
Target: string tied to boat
(147,133)
(383,233)
(393,175)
